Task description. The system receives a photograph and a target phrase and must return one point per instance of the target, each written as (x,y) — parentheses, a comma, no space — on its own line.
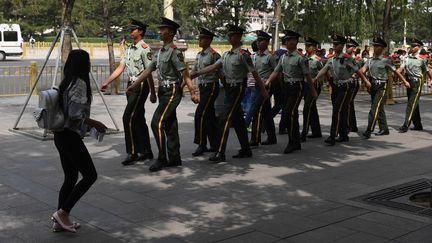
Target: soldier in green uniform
(235,64)
(377,68)
(351,45)
(310,111)
(138,57)
(171,71)
(295,68)
(205,116)
(343,66)
(264,63)
(415,69)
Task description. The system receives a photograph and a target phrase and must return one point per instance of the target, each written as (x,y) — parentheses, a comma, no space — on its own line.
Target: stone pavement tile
(362,238)
(213,234)
(252,237)
(393,221)
(329,233)
(372,228)
(127,196)
(419,236)
(334,189)
(171,227)
(283,224)
(339,214)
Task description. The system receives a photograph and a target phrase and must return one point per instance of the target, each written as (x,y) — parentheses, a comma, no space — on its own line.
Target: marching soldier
(236,64)
(310,111)
(171,71)
(264,63)
(351,45)
(205,117)
(138,57)
(278,90)
(343,67)
(377,67)
(415,69)
(295,68)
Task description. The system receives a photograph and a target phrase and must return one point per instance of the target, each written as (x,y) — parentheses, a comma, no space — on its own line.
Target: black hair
(254,46)
(77,66)
(423,51)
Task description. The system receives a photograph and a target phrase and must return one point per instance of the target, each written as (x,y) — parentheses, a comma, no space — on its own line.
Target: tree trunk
(386,24)
(107,25)
(277,19)
(67,22)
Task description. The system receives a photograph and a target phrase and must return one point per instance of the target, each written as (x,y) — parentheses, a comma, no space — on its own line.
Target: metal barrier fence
(18,80)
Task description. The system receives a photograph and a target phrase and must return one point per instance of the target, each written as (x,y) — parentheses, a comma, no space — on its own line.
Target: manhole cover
(413,197)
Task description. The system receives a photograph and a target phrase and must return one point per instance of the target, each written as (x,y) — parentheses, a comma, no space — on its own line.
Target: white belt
(167,83)
(206,81)
(378,81)
(344,81)
(133,79)
(292,80)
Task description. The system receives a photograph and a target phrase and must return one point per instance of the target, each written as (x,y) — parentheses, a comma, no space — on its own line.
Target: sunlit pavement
(271,197)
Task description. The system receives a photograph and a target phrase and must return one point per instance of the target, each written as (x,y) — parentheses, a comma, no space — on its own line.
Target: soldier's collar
(235,50)
(378,57)
(207,50)
(167,46)
(261,53)
(137,44)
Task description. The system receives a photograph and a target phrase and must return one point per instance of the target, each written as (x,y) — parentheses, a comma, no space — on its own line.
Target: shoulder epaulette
(385,56)
(271,53)
(212,51)
(358,58)
(347,56)
(144,45)
(318,58)
(173,46)
(301,54)
(243,51)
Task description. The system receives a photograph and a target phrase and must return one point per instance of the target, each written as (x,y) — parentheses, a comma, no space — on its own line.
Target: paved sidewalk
(271,197)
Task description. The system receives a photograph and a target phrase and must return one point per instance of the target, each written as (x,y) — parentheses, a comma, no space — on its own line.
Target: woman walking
(75,100)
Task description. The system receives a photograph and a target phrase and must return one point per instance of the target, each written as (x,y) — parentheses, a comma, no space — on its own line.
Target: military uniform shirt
(236,64)
(378,67)
(264,63)
(315,65)
(293,65)
(415,66)
(342,66)
(169,62)
(204,59)
(138,57)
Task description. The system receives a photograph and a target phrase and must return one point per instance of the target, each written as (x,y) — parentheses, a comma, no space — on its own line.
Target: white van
(11,41)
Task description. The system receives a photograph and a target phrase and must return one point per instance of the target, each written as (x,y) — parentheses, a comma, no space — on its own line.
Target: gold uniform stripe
(340,109)
(415,100)
(131,118)
(162,117)
(229,117)
(294,108)
(204,111)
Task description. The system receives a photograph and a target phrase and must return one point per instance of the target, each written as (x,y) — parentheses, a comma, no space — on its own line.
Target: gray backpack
(49,115)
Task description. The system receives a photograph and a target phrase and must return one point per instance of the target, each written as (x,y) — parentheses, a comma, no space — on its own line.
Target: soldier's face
(291,43)
(378,49)
(262,44)
(234,39)
(135,33)
(350,49)
(165,33)
(415,49)
(338,47)
(204,42)
(311,49)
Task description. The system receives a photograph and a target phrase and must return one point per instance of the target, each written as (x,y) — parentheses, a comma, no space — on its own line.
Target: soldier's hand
(195,98)
(193,74)
(368,85)
(264,94)
(430,83)
(406,84)
(314,93)
(129,90)
(103,87)
(153,98)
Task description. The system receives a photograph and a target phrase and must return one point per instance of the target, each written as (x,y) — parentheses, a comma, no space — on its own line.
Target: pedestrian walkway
(271,197)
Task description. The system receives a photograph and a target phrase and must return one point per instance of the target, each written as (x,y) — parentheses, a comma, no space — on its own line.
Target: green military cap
(234,29)
(206,33)
(415,42)
(351,42)
(310,41)
(168,23)
(338,39)
(289,34)
(135,24)
(378,41)
(262,35)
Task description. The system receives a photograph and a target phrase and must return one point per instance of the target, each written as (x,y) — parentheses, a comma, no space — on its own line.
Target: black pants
(310,112)
(352,120)
(232,114)
(377,112)
(279,94)
(261,111)
(294,96)
(340,109)
(74,158)
(136,131)
(164,123)
(413,108)
(205,115)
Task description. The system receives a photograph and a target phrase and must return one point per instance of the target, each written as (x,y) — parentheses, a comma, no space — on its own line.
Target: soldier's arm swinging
(188,81)
(145,74)
(311,84)
(321,73)
(119,70)
(273,75)
(153,97)
(205,70)
(401,77)
(364,79)
(259,82)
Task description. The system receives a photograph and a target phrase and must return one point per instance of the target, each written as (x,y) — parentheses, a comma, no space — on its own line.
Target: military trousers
(137,138)
(206,125)
(413,109)
(294,93)
(377,113)
(279,95)
(352,120)
(164,123)
(232,115)
(262,118)
(310,111)
(341,102)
